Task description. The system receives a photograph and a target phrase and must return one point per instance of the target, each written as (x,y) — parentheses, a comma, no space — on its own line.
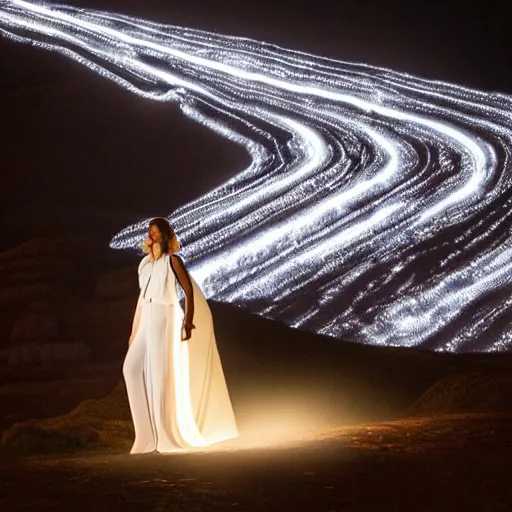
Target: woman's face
(154,234)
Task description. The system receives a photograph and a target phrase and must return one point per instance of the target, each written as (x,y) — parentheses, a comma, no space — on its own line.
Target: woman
(174,379)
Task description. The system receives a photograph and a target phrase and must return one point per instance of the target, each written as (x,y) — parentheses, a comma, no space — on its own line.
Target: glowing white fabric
(177,391)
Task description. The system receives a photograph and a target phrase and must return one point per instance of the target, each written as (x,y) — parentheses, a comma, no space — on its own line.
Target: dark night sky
(79,153)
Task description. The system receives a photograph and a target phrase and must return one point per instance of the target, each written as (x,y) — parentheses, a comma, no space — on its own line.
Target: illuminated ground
(295,403)
(446,464)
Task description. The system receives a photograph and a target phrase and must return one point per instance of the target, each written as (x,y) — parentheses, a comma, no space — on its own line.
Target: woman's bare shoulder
(176,259)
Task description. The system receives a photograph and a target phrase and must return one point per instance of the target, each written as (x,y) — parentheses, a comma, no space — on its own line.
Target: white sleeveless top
(157,281)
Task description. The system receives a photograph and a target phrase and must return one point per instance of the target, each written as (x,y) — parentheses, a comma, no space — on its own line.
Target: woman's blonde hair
(170,241)
(174,243)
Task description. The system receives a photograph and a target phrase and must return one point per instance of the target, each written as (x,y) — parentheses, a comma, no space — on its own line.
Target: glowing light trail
(375,208)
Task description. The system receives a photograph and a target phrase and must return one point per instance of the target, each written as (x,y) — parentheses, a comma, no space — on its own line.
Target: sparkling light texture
(377,206)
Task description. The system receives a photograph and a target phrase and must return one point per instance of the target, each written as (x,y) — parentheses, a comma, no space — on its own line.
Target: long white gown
(177,391)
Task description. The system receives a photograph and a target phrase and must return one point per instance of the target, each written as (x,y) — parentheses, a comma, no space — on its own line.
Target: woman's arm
(186,285)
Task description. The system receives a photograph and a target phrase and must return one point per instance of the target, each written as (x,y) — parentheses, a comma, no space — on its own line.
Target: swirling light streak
(376,206)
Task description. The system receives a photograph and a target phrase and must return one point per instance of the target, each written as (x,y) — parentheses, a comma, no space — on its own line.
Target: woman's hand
(146,245)
(186,330)
(157,250)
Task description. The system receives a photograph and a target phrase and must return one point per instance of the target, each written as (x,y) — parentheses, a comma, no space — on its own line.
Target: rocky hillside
(65,312)
(61,301)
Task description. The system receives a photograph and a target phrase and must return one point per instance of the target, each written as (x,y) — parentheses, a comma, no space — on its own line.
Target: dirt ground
(457,462)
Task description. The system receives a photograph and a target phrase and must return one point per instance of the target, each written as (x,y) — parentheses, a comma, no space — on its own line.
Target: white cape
(210,402)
